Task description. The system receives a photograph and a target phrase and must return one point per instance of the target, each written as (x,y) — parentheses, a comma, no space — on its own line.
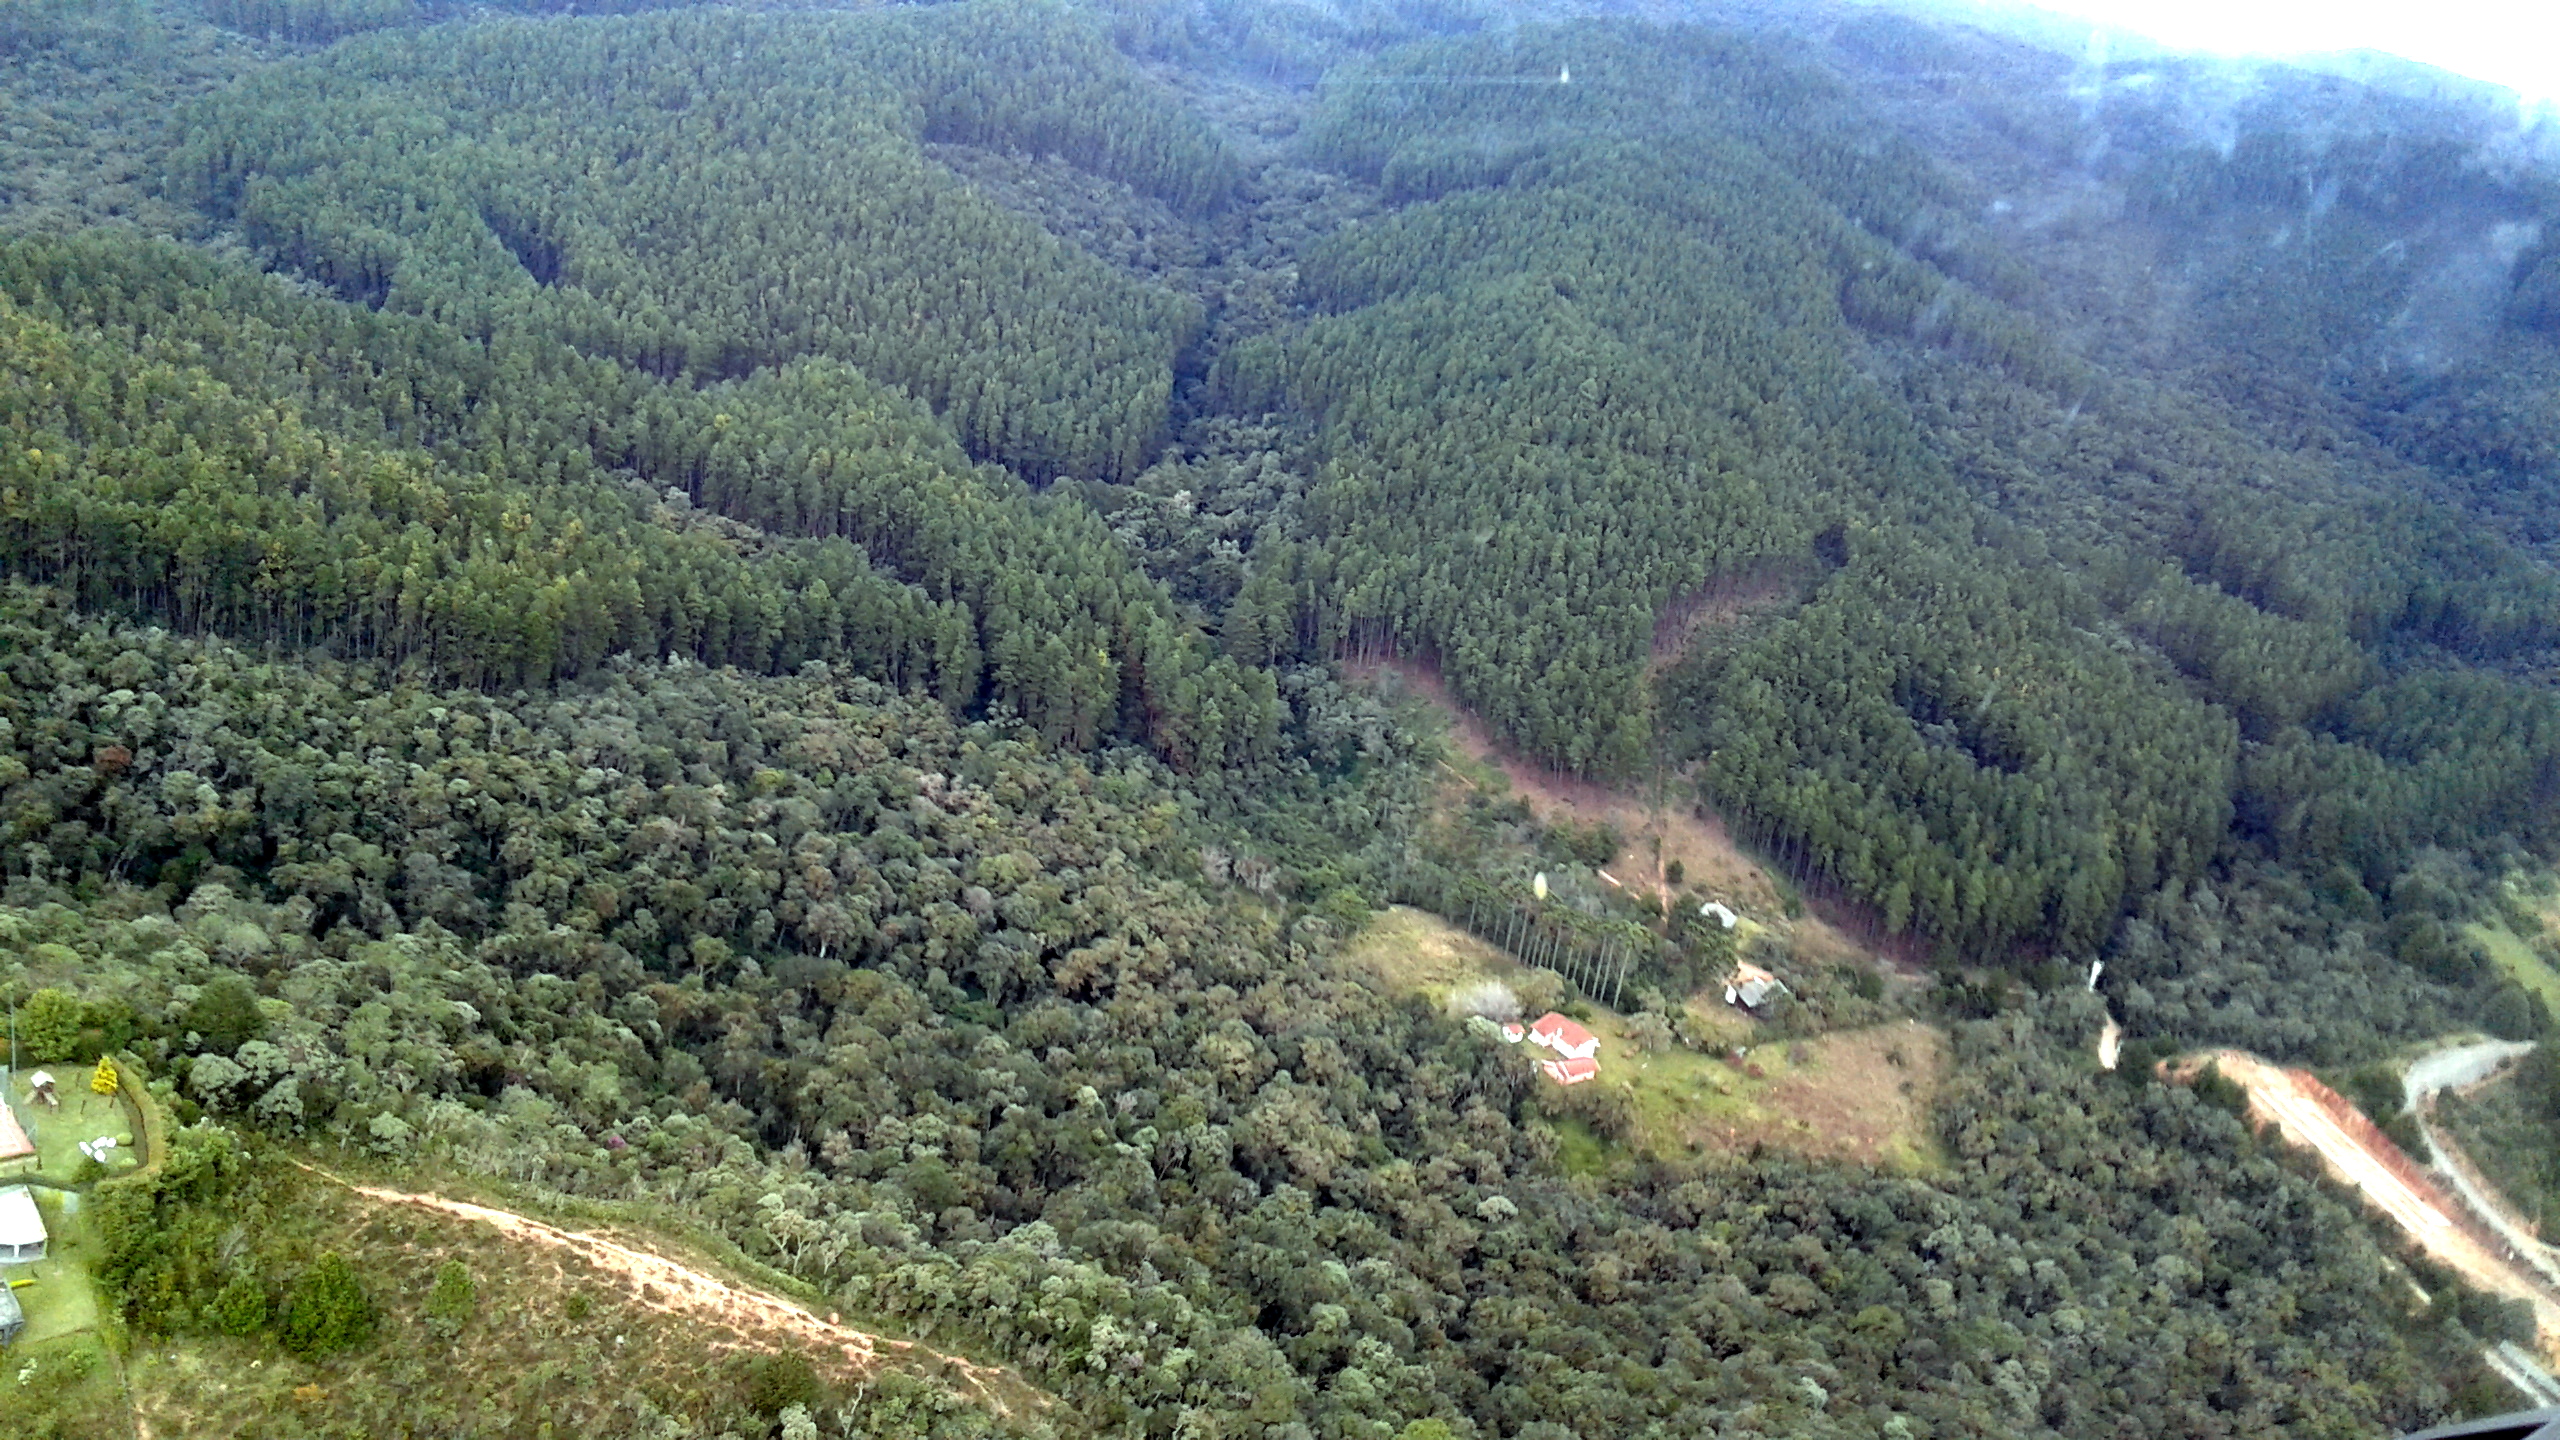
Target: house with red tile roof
(1571,1072)
(1564,1037)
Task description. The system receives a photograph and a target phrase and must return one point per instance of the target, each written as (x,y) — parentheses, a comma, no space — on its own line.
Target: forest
(757,613)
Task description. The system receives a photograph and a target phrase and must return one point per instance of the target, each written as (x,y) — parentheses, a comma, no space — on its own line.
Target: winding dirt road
(756,1316)
(2310,1113)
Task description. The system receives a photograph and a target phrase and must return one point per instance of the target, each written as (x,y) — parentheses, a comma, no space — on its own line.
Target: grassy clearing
(1859,1094)
(1655,830)
(67,1387)
(2519,959)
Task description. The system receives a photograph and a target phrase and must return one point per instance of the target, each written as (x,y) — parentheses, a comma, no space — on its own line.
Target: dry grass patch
(558,1342)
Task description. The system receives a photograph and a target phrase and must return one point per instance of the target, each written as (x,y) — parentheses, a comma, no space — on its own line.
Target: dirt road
(2310,1113)
(756,1316)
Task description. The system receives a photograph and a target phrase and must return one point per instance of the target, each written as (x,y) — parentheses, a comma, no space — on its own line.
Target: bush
(2220,1090)
(241,1306)
(329,1310)
(452,1301)
(775,1382)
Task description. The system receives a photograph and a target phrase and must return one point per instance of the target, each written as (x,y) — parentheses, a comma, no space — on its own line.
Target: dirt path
(2310,1113)
(676,1289)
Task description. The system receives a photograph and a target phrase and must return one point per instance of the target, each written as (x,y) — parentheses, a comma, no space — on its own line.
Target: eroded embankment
(2309,1113)
(756,1317)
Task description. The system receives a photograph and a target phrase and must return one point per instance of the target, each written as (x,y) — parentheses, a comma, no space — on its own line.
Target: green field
(83,1115)
(62,1301)
(2519,960)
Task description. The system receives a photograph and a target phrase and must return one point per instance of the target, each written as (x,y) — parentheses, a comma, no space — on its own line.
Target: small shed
(1721,913)
(40,1089)
(1564,1037)
(1514,1032)
(1751,987)
(21,1227)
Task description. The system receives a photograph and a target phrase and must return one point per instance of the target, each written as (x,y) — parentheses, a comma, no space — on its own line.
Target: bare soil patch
(2308,1112)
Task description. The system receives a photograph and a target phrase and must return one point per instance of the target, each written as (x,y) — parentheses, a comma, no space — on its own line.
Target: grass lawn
(62,1301)
(84,1115)
(2519,961)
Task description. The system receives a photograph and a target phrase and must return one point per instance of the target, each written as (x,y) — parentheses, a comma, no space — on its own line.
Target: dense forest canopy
(757,611)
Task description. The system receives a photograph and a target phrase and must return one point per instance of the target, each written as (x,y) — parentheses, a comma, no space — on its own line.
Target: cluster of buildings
(1577,1050)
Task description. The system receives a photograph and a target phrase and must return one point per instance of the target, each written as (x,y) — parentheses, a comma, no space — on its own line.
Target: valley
(1366,720)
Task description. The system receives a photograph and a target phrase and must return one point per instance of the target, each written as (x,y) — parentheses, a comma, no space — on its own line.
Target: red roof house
(1571,1072)
(1564,1037)
(14,1144)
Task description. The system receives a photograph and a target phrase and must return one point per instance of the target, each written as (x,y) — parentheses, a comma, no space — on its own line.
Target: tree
(49,1024)
(103,1080)
(452,1300)
(225,1014)
(328,1310)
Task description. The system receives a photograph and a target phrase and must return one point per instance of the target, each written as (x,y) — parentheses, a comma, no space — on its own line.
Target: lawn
(2519,960)
(62,1301)
(84,1115)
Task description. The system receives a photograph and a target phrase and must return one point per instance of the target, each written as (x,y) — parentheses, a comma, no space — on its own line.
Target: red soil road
(755,1316)
(2310,1113)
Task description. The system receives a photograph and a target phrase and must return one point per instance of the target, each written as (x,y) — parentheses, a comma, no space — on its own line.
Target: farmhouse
(21,1227)
(1571,1072)
(1564,1037)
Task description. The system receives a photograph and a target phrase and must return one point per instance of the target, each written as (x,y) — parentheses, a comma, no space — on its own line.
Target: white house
(1717,911)
(21,1227)
(1570,1072)
(1564,1037)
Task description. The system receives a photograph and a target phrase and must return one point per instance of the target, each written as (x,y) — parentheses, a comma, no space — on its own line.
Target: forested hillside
(757,613)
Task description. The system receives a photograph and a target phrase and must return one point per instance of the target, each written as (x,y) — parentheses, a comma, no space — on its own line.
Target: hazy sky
(2507,42)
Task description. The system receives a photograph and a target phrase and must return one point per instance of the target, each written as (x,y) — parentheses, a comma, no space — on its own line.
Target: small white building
(1750,986)
(1723,915)
(21,1227)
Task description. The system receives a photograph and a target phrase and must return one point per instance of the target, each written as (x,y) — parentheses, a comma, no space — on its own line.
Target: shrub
(452,1301)
(329,1310)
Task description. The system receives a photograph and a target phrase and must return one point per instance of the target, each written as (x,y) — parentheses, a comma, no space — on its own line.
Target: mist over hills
(774,616)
